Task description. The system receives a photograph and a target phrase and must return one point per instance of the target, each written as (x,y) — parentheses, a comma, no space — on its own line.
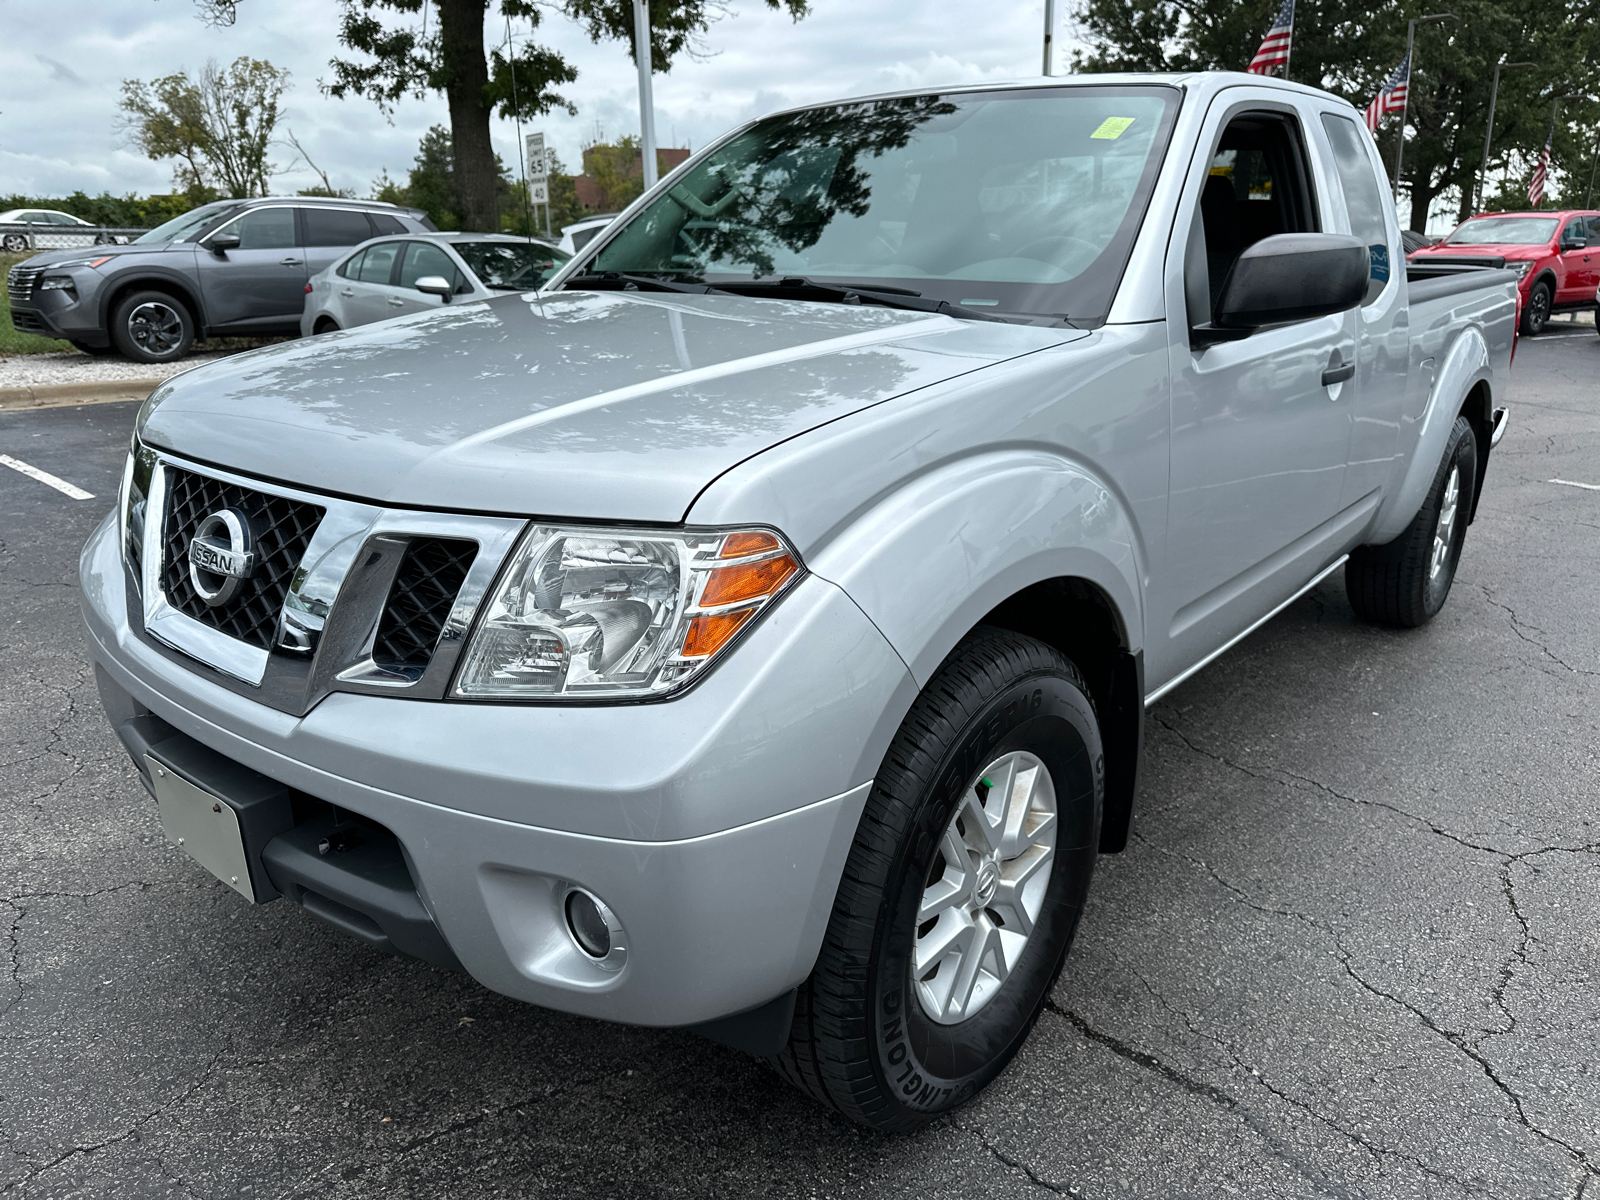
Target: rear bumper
(720,916)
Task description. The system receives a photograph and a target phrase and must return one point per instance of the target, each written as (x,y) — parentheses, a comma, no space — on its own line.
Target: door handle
(289,262)
(396,302)
(347,291)
(1338,371)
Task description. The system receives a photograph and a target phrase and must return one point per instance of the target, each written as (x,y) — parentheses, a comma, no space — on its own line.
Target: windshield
(179,229)
(1019,202)
(511,266)
(1506,231)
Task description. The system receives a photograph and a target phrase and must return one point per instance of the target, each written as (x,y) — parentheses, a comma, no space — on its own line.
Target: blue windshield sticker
(1380,262)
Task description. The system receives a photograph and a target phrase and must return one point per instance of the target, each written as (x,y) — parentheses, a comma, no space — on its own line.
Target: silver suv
(231,268)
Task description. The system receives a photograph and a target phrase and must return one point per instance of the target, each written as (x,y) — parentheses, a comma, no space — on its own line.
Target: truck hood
(1510,251)
(609,405)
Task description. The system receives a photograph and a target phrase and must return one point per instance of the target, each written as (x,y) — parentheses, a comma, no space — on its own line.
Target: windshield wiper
(860,293)
(619,281)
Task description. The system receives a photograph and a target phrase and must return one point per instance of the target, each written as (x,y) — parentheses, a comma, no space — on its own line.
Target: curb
(59,395)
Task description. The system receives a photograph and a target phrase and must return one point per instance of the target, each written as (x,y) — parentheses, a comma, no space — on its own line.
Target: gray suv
(231,268)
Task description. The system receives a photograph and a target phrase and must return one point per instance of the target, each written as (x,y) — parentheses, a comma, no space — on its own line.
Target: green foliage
(565,207)
(1349,47)
(217,128)
(430,184)
(128,212)
(614,169)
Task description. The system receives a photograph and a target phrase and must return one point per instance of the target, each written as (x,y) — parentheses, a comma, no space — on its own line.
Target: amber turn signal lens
(739,545)
(707,635)
(749,581)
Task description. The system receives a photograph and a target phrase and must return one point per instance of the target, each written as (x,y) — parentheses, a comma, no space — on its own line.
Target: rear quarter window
(335,227)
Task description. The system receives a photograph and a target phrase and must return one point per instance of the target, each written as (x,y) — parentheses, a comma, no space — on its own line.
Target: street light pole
(1593,159)
(1488,130)
(1411,74)
(1049,31)
(647,106)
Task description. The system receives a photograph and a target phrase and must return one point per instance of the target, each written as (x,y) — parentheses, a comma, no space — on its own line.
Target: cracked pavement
(1351,950)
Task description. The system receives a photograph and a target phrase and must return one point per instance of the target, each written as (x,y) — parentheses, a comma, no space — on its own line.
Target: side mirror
(1286,278)
(222,242)
(1575,241)
(435,285)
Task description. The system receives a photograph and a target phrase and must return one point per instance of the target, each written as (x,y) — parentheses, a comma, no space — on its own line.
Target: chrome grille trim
(20,283)
(329,621)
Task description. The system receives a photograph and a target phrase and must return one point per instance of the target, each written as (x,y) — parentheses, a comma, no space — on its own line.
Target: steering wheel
(1061,250)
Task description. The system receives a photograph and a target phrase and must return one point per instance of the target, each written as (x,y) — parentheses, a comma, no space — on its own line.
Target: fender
(1464,366)
(928,561)
(145,275)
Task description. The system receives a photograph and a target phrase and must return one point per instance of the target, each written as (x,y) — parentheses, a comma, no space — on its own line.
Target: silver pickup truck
(751,631)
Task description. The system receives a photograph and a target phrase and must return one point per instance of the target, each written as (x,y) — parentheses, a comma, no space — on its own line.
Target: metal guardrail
(57,237)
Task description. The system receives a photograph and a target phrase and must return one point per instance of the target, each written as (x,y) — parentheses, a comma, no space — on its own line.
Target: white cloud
(63,64)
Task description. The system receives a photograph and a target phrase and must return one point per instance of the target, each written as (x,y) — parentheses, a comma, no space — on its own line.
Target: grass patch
(12,342)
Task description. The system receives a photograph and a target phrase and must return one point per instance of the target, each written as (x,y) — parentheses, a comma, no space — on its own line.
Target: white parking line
(44,477)
(1591,487)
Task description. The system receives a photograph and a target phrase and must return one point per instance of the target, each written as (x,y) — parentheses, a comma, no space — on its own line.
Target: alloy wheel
(985,888)
(156,328)
(1443,531)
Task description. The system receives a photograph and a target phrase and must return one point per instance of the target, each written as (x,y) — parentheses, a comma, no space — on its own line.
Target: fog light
(588,921)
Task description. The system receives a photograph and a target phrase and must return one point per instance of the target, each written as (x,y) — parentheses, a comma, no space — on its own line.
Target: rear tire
(16,243)
(1536,312)
(902,1019)
(324,325)
(152,327)
(1406,582)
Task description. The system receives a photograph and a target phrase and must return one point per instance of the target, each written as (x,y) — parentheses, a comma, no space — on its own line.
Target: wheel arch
(1079,618)
(173,286)
(1478,408)
(1462,382)
(1025,539)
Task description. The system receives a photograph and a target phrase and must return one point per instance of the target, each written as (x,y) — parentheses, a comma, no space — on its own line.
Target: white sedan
(52,230)
(392,276)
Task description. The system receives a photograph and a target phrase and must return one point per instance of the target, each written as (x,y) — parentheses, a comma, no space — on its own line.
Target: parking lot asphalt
(1350,952)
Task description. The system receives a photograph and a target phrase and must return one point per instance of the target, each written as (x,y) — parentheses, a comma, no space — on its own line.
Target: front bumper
(715,826)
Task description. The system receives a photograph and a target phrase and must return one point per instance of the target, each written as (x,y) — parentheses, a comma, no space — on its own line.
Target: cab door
(1260,426)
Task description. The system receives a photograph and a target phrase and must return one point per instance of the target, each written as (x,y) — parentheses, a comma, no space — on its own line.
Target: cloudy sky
(62,61)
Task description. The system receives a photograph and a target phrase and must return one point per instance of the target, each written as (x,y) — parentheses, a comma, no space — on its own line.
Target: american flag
(1275,46)
(1391,96)
(1540,174)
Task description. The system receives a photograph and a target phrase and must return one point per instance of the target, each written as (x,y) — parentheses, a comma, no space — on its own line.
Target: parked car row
(254,267)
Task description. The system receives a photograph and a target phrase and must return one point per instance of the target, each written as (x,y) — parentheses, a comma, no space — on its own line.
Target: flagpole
(1289,49)
(1405,105)
(1488,130)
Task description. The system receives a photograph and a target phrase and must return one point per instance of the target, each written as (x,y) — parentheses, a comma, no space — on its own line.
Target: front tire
(152,327)
(1406,582)
(1536,312)
(962,891)
(16,243)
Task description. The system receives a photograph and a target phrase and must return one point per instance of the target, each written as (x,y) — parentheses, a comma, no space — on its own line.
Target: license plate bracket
(204,825)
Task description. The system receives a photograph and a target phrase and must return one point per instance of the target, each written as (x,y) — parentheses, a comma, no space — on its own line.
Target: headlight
(1521,268)
(607,613)
(131,502)
(57,283)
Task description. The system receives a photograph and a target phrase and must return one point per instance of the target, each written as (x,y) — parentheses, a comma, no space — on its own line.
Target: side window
(1577,228)
(350,268)
(385,224)
(377,263)
(1258,186)
(424,258)
(264,229)
(1362,199)
(335,226)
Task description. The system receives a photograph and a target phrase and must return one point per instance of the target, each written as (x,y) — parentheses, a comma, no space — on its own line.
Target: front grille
(19,284)
(282,530)
(420,600)
(25,320)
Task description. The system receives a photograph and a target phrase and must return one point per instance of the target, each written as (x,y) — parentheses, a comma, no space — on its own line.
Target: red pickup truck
(1556,254)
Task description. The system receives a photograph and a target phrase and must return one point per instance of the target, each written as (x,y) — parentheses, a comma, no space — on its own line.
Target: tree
(219,128)
(413,47)
(1349,47)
